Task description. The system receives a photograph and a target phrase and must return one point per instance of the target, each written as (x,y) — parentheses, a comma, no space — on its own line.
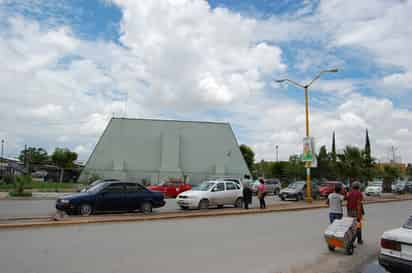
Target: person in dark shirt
(247,195)
(355,208)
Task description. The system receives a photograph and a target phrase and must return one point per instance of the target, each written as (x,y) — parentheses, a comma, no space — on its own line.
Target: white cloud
(197,63)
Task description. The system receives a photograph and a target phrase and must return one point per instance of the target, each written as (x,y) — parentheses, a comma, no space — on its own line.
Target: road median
(28,222)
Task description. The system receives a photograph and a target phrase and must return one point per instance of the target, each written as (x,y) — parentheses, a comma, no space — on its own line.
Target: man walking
(335,204)
(355,208)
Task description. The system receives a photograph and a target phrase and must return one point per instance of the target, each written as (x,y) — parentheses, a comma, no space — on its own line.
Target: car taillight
(390,244)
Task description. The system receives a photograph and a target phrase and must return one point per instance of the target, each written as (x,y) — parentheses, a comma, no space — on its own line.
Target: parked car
(171,188)
(374,188)
(297,191)
(403,187)
(328,187)
(109,197)
(272,186)
(211,193)
(396,248)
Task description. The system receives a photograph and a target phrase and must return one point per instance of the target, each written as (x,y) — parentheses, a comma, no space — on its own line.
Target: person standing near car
(334,202)
(355,208)
(247,195)
(261,193)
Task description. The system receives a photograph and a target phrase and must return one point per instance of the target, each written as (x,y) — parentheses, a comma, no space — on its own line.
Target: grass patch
(21,194)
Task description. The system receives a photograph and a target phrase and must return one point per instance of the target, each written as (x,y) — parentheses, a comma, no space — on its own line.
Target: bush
(8,179)
(21,181)
(93,178)
(21,194)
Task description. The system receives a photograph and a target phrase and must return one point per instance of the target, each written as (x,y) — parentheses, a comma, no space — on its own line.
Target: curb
(168,216)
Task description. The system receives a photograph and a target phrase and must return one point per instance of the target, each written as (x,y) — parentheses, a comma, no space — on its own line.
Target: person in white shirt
(335,201)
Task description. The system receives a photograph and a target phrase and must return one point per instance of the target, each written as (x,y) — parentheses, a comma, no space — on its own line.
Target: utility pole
(277,153)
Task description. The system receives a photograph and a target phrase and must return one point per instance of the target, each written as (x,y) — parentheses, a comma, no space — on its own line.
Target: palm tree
(351,162)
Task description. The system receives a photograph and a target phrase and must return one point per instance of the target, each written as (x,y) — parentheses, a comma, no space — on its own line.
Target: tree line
(352,164)
(61,157)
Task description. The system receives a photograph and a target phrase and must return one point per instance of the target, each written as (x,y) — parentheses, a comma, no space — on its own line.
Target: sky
(69,66)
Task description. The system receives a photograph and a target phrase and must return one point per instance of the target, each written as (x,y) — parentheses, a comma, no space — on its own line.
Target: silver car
(272,186)
(211,193)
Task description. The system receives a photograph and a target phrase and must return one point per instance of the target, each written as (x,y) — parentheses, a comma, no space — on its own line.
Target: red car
(171,188)
(328,187)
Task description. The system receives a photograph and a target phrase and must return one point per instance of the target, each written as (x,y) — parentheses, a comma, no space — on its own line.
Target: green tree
(368,161)
(33,156)
(249,157)
(63,158)
(322,171)
(295,169)
(390,174)
(333,154)
(409,171)
(350,163)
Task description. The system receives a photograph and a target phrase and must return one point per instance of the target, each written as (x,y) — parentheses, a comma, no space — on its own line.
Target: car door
(112,198)
(218,194)
(135,194)
(231,194)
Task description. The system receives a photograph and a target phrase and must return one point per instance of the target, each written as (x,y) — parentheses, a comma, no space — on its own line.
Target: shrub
(21,194)
(8,179)
(21,181)
(93,178)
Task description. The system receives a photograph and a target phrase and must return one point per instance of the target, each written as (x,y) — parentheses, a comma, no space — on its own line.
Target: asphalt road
(32,207)
(271,242)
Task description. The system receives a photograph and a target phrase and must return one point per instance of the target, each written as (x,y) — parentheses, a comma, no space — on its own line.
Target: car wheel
(282,198)
(85,210)
(239,203)
(184,207)
(146,207)
(331,248)
(204,204)
(219,206)
(276,192)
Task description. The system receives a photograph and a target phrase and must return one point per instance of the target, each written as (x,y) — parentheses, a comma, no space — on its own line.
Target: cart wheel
(349,249)
(331,248)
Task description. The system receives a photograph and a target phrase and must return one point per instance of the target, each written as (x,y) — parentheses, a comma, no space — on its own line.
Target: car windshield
(96,187)
(408,223)
(296,185)
(400,183)
(205,186)
(376,184)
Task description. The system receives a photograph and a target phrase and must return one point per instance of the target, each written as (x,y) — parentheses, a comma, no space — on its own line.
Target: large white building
(152,150)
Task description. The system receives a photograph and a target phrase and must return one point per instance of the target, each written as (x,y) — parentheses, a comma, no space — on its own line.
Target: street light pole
(306,88)
(277,153)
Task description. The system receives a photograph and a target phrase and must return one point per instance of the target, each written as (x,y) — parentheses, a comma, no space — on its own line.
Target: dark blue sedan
(111,196)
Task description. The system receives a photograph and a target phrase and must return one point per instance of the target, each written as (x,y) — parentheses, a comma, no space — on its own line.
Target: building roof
(149,145)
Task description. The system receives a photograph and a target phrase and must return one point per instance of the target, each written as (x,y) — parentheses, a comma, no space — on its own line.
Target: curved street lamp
(306,88)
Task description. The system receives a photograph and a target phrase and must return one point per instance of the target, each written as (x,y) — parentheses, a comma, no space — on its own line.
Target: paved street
(33,208)
(252,243)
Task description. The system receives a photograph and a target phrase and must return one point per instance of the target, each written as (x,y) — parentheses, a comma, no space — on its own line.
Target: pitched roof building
(152,150)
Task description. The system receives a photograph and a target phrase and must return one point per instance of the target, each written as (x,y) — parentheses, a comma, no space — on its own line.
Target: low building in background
(149,151)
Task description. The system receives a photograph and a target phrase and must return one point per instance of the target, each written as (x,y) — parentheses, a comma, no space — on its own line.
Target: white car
(211,193)
(374,188)
(396,249)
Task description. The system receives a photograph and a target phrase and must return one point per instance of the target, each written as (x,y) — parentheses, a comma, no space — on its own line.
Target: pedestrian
(261,193)
(334,202)
(247,195)
(355,208)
